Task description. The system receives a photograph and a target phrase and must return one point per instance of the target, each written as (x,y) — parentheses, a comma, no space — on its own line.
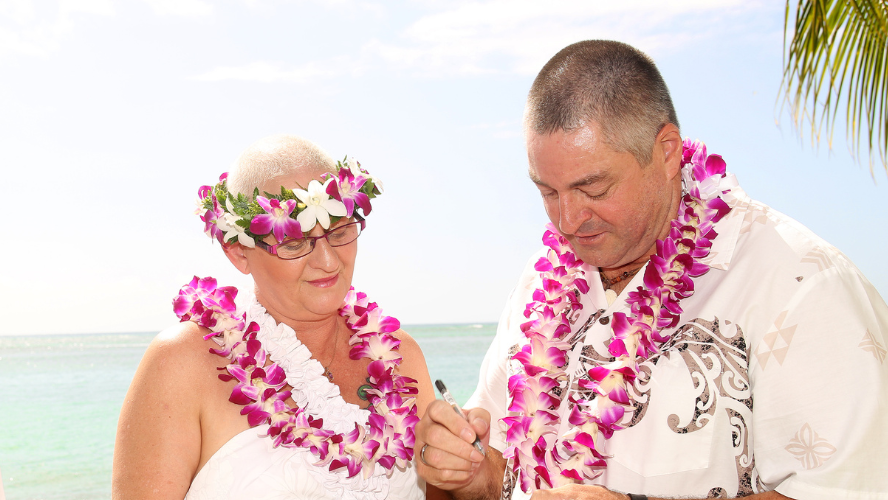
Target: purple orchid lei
(388,437)
(541,457)
(232,217)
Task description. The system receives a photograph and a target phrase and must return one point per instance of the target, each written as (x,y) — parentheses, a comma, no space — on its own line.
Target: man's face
(610,208)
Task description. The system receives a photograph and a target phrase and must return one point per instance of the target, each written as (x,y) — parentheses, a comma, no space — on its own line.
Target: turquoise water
(60,396)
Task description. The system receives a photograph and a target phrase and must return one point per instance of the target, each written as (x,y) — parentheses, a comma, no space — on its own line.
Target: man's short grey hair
(274,157)
(606,82)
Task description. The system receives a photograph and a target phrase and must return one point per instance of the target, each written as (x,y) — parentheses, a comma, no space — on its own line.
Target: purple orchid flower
(277,220)
(211,220)
(347,190)
(713,165)
(389,437)
(377,348)
(374,321)
(537,355)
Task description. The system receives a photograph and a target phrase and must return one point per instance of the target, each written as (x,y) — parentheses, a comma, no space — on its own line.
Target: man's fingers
(479,419)
(443,461)
(577,492)
(450,432)
(447,450)
(450,460)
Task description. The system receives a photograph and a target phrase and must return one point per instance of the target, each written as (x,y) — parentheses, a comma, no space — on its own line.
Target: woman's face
(308,288)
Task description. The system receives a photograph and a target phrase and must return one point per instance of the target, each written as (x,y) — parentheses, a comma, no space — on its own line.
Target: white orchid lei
(228,217)
(388,437)
(540,457)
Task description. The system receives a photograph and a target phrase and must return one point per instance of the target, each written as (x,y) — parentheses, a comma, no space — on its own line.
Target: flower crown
(228,217)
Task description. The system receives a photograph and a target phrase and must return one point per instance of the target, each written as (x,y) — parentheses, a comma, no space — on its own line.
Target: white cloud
(376,8)
(518,36)
(39,34)
(270,72)
(97,7)
(19,11)
(183,8)
(347,7)
(34,38)
(508,37)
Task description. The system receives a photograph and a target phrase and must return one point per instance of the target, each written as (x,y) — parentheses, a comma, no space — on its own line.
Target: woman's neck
(318,333)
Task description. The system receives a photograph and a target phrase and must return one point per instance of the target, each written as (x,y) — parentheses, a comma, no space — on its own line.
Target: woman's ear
(237,256)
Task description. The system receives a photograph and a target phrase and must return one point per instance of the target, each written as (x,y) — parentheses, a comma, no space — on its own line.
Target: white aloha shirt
(775,379)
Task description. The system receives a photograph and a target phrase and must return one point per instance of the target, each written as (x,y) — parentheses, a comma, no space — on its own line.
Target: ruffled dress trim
(312,391)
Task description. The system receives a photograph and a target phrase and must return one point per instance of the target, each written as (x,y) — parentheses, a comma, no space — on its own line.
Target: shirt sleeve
(820,384)
(492,391)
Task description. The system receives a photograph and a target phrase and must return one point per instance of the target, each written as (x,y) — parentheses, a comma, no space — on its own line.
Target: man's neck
(613,274)
(617,279)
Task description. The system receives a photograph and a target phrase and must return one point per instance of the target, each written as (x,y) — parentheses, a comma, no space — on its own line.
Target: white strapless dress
(249,467)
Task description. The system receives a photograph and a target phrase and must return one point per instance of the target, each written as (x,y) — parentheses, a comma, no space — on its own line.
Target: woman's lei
(540,457)
(388,437)
(228,217)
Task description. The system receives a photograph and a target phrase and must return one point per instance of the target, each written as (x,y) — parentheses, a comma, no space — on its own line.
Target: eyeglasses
(295,248)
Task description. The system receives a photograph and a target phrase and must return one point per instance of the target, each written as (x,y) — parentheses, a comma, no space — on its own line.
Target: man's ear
(236,254)
(669,143)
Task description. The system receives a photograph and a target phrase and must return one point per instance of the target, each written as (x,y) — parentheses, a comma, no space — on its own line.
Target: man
(761,350)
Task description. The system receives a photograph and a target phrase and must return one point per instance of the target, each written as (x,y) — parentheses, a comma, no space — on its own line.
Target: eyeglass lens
(337,237)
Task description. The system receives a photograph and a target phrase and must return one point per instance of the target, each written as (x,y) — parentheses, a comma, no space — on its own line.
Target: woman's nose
(324,256)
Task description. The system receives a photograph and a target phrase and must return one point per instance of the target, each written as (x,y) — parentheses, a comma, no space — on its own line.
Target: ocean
(60,396)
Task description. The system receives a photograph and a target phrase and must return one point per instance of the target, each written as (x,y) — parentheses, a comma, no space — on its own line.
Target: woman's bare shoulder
(159,432)
(413,365)
(180,336)
(181,352)
(409,346)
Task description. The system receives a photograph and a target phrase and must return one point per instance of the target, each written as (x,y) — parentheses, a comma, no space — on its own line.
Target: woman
(319,391)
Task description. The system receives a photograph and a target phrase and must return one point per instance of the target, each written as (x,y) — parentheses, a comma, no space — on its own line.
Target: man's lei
(230,217)
(541,457)
(387,438)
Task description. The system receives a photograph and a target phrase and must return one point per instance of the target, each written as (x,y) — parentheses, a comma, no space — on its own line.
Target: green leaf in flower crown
(287,194)
(254,209)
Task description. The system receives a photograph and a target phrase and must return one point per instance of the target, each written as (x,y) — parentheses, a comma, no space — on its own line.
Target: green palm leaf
(838,57)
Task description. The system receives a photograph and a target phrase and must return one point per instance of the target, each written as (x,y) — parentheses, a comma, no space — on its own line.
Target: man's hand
(446,458)
(578,492)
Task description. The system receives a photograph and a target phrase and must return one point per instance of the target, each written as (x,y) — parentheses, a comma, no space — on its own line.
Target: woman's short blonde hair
(273,157)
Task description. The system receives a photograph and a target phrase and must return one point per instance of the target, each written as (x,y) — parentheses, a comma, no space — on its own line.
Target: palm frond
(838,56)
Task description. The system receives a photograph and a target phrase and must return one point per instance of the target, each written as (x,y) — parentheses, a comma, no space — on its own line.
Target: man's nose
(572,214)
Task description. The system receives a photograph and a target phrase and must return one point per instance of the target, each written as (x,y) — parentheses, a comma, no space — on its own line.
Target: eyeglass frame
(272,249)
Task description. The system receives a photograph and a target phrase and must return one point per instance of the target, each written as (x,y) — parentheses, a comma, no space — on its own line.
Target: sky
(112,114)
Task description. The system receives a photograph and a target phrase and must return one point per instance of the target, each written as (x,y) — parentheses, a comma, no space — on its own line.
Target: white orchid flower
(319,206)
(228,223)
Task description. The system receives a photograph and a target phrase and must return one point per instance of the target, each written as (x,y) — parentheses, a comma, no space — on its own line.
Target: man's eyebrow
(589,179)
(585,181)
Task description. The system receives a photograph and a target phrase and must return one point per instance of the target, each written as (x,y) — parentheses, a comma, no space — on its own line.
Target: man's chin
(592,258)
(589,250)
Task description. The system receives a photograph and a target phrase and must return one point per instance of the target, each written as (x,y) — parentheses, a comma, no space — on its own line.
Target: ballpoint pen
(452,402)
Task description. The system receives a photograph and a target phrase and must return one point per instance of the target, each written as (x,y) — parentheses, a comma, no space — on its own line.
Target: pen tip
(440,385)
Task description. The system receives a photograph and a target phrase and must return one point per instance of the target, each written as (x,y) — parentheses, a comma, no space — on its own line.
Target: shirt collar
(728,228)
